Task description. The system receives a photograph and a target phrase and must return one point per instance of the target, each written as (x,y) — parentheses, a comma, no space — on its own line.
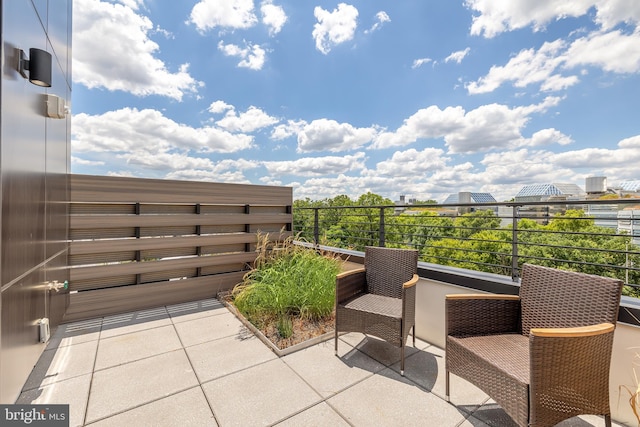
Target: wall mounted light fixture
(38,65)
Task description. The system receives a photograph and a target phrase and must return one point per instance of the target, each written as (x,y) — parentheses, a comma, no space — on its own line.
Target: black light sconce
(38,65)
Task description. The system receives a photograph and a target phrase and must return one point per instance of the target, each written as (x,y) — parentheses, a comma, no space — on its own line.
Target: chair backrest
(553,298)
(387,269)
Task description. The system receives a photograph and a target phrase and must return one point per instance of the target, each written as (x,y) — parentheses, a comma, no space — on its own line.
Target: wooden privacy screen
(142,243)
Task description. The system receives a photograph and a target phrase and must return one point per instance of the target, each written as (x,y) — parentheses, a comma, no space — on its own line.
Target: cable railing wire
(611,250)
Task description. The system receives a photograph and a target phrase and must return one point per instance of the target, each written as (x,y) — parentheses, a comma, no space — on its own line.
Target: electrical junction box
(56,107)
(45,331)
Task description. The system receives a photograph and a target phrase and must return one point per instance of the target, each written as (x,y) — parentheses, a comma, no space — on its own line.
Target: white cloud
(381,18)
(249,121)
(334,27)
(429,174)
(430,122)
(252,56)
(420,62)
(235,177)
(614,161)
(352,186)
(97,63)
(548,137)
(234,14)
(527,67)
(133,4)
(613,51)
(274,17)
(632,142)
(612,12)
(84,162)
(148,132)
(217,107)
(286,130)
(317,166)
(484,128)
(497,16)
(517,168)
(165,161)
(412,163)
(458,56)
(227,170)
(329,135)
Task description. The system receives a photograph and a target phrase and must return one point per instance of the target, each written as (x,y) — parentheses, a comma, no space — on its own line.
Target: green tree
(471,223)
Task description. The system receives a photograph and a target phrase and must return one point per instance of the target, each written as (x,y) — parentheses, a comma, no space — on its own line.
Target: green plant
(285,326)
(287,280)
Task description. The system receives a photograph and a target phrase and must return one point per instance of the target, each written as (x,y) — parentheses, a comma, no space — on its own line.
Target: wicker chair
(379,299)
(544,355)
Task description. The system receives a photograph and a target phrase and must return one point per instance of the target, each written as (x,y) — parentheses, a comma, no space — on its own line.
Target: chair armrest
(482,296)
(571,364)
(482,314)
(350,283)
(580,331)
(411,282)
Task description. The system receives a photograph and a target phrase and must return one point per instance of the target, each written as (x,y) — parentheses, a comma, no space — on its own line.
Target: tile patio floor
(195,364)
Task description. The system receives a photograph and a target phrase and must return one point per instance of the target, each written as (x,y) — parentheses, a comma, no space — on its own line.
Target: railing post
(316,226)
(515,273)
(138,252)
(198,232)
(247,227)
(289,211)
(382,236)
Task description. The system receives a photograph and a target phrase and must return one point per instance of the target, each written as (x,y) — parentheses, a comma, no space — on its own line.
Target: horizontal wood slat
(110,189)
(157,220)
(105,302)
(140,243)
(92,272)
(101,246)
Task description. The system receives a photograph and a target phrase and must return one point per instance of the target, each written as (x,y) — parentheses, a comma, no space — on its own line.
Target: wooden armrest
(580,331)
(350,272)
(411,282)
(482,296)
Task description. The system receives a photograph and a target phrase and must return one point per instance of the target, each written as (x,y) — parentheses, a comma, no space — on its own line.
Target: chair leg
(446,386)
(336,341)
(607,420)
(402,360)
(413,334)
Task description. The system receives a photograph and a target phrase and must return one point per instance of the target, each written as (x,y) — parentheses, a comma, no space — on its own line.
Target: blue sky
(416,97)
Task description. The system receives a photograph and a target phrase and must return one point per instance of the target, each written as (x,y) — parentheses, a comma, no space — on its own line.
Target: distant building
(546,192)
(629,188)
(467,197)
(629,223)
(401,204)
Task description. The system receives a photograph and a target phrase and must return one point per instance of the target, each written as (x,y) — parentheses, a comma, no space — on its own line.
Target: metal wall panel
(34,164)
(22,306)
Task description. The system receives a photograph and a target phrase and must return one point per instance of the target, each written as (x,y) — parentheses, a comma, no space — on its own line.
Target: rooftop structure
(542,192)
(630,186)
(467,197)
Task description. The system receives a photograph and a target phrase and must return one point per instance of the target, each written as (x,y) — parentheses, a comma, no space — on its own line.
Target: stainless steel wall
(34,168)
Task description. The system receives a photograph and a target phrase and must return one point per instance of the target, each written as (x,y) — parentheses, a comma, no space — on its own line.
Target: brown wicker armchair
(543,356)
(379,299)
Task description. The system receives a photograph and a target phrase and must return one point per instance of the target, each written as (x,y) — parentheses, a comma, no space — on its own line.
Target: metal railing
(594,236)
